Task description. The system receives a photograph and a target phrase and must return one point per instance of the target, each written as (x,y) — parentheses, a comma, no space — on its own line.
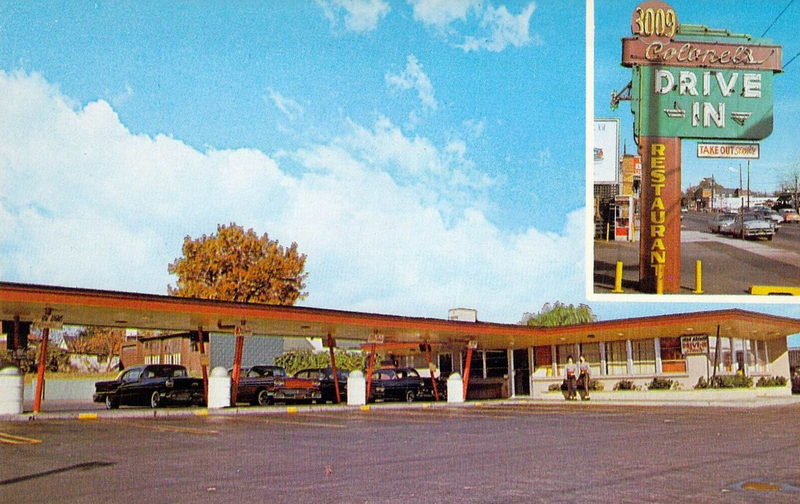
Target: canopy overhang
(86,307)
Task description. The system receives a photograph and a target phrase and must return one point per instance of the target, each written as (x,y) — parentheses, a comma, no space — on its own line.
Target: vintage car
(750,225)
(325,377)
(151,385)
(262,385)
(789,215)
(403,384)
(722,223)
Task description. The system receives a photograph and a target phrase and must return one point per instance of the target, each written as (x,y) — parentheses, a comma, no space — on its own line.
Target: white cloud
(288,107)
(359,15)
(499,27)
(504,29)
(390,223)
(442,12)
(413,77)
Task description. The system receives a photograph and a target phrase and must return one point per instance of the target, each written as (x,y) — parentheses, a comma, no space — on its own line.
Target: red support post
(37,402)
(331,347)
(369,369)
(432,369)
(201,346)
(466,370)
(237,368)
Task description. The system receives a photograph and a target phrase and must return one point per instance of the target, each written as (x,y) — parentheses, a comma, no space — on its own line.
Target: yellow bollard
(608,230)
(660,279)
(618,278)
(698,277)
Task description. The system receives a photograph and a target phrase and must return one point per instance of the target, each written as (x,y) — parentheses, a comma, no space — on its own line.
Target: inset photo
(696,167)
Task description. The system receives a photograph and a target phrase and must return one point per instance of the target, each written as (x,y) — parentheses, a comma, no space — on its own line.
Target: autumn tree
(105,342)
(559,314)
(239,265)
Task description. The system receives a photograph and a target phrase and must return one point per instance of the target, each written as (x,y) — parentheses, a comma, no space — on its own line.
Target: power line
(777,17)
(793,58)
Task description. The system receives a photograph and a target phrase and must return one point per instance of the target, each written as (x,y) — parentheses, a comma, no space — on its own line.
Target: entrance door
(522,372)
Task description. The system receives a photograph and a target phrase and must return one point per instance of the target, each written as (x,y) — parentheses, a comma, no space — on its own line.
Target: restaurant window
(750,356)
(644,357)
(476,363)
(591,352)
(762,355)
(617,358)
(542,361)
(496,363)
(445,364)
(672,360)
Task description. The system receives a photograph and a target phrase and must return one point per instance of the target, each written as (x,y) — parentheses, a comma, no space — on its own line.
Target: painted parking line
(7,438)
(392,416)
(171,428)
(294,419)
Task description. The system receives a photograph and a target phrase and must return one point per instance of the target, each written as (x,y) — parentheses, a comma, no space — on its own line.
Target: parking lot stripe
(13,439)
(383,416)
(87,416)
(307,424)
(172,428)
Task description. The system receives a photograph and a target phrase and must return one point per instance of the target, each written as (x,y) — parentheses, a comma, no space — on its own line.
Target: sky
(425,155)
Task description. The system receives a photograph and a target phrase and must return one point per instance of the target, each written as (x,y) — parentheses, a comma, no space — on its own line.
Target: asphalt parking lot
(580,452)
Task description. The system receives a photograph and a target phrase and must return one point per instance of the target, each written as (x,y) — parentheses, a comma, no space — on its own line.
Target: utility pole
(748,184)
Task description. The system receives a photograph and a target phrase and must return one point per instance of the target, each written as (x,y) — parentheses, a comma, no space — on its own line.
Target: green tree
(295,360)
(559,314)
(239,265)
(105,342)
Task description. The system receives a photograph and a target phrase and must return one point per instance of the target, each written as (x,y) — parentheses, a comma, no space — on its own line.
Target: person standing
(570,378)
(584,375)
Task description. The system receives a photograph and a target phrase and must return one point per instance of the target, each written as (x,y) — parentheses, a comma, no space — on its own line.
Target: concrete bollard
(11,391)
(219,388)
(356,389)
(455,388)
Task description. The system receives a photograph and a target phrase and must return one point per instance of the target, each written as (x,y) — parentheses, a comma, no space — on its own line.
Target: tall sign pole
(692,82)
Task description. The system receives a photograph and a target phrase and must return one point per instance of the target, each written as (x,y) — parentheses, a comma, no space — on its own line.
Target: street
(730,265)
(513,453)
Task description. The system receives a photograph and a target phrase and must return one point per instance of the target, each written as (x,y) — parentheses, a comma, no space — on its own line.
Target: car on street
(263,385)
(151,385)
(327,386)
(789,215)
(722,223)
(750,225)
(403,384)
(770,215)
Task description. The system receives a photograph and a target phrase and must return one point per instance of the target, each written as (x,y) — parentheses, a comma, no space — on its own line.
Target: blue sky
(424,154)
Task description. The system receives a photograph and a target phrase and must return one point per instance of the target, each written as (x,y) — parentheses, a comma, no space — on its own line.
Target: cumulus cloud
(359,15)
(390,222)
(413,77)
(499,28)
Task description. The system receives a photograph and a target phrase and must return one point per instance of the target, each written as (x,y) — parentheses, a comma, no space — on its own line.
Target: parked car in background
(770,215)
(325,377)
(262,385)
(151,385)
(722,223)
(789,215)
(750,225)
(403,384)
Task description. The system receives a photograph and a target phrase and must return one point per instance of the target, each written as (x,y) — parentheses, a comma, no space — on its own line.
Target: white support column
(603,366)
(554,357)
(483,360)
(657,349)
(767,365)
(511,373)
(629,350)
(756,355)
(530,370)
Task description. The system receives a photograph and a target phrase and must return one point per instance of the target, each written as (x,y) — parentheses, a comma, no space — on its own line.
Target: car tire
(155,400)
(112,402)
(410,396)
(263,398)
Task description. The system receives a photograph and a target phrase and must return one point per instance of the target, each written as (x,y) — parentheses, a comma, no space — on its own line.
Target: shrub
(725,381)
(625,385)
(662,384)
(771,381)
(595,385)
(294,361)
(554,387)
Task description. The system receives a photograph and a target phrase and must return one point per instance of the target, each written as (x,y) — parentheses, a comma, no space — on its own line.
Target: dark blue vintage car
(325,378)
(151,385)
(403,384)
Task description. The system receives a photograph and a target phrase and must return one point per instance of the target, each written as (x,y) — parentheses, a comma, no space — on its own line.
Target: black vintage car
(262,385)
(325,377)
(151,385)
(403,384)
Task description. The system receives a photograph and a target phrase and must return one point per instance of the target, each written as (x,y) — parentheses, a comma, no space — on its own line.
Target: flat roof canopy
(85,307)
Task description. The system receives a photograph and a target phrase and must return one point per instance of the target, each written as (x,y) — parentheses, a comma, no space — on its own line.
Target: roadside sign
(51,321)
(241,330)
(700,103)
(473,344)
(375,338)
(729,150)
